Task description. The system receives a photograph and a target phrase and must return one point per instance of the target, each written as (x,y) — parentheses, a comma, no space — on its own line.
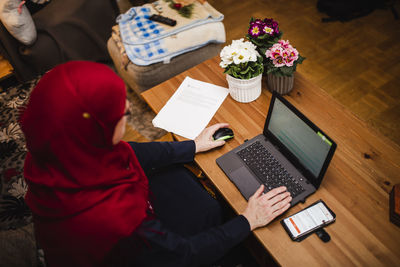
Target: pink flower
(268,30)
(276,55)
(294,54)
(289,61)
(260,27)
(254,30)
(276,52)
(284,43)
(177,6)
(272,24)
(282,54)
(278,62)
(268,53)
(258,21)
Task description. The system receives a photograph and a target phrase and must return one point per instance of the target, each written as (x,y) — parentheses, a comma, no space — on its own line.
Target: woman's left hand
(205,141)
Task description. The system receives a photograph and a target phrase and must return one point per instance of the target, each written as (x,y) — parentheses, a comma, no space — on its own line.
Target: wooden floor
(357,62)
(5,67)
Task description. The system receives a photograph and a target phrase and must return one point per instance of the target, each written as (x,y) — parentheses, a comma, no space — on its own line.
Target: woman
(97,200)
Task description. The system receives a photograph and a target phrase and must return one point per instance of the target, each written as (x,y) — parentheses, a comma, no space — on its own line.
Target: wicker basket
(280,84)
(244,90)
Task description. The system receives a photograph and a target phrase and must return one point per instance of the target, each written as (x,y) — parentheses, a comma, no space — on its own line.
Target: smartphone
(306,221)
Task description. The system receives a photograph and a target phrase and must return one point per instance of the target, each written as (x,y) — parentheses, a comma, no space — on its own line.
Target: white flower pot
(281,84)
(244,90)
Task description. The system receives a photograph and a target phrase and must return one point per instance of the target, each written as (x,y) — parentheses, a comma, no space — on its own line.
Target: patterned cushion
(14,213)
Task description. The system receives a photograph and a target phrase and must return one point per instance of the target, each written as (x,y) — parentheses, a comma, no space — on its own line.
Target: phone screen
(308,219)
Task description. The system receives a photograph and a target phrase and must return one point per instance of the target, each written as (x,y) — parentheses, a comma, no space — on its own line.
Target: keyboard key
(268,169)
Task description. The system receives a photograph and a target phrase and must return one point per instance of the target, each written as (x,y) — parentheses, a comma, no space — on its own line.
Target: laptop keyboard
(268,169)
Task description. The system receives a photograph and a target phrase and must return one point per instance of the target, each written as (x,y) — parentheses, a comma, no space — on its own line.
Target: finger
(278,212)
(259,192)
(275,192)
(217,126)
(278,198)
(281,204)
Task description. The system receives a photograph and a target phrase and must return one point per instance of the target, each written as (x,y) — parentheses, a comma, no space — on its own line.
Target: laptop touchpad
(245,182)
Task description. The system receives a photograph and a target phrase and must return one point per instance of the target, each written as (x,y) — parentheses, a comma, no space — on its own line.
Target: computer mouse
(223,134)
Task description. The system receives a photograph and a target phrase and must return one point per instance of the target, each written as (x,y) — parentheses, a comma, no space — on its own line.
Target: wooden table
(356,185)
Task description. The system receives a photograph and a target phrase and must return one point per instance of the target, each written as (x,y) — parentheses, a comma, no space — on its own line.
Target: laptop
(292,151)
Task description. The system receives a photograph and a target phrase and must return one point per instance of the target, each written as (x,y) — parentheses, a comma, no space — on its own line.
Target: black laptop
(292,151)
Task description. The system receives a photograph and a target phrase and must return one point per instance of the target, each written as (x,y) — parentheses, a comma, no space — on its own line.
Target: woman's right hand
(263,208)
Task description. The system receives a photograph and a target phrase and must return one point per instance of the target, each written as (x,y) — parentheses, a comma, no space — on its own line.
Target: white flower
(238,52)
(227,55)
(242,56)
(223,64)
(12,132)
(253,55)
(237,43)
(18,189)
(250,46)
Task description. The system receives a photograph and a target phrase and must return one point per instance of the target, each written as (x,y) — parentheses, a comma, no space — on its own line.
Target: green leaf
(243,72)
(300,60)
(272,42)
(246,70)
(257,42)
(263,37)
(287,71)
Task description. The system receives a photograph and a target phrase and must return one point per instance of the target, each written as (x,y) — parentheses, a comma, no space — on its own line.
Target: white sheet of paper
(191,108)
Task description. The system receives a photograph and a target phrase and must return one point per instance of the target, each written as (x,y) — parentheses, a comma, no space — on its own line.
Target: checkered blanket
(147,42)
(137,29)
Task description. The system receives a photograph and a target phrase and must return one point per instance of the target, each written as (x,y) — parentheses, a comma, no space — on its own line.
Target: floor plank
(5,67)
(356,62)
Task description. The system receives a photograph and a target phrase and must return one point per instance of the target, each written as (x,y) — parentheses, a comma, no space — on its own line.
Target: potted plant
(281,62)
(244,68)
(263,33)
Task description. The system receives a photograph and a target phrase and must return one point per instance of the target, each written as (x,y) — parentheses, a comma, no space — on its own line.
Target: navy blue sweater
(188,227)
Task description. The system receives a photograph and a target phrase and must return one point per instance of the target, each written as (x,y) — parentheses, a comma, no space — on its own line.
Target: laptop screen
(298,135)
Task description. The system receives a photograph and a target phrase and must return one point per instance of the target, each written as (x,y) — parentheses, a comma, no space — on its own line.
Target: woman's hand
(263,208)
(205,140)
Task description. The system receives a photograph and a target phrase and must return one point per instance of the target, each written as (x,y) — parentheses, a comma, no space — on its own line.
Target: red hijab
(85,193)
